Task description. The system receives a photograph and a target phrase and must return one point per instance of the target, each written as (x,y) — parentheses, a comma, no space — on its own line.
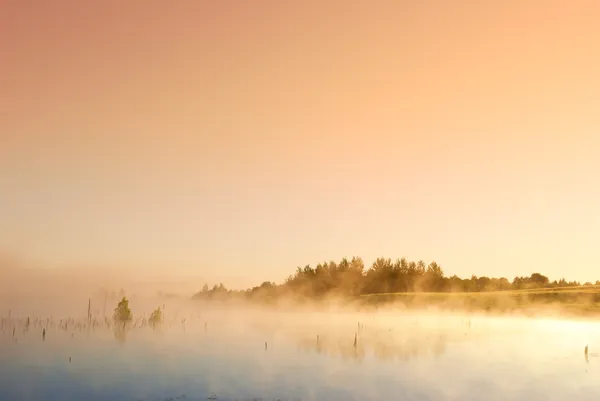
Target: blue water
(394,359)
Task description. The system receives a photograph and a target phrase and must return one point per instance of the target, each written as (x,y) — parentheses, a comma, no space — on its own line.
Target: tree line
(350,278)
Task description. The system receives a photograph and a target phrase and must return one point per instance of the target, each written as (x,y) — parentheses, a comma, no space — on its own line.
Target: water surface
(246,355)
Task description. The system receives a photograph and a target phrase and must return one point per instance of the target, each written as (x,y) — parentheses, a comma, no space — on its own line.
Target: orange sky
(235,140)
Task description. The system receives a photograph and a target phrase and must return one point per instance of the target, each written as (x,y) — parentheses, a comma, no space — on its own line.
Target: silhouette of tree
(156,317)
(122,312)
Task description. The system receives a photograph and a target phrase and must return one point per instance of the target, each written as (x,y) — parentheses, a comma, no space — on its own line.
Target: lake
(210,352)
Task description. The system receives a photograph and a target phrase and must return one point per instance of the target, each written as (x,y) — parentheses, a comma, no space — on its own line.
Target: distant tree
(518,283)
(343,266)
(357,265)
(538,280)
(414,270)
(434,276)
(382,265)
(379,276)
(499,284)
(434,269)
(404,268)
(122,312)
(355,276)
(422,268)
(483,283)
(155,317)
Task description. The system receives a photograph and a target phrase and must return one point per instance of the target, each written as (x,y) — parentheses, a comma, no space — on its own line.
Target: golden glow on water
(200,347)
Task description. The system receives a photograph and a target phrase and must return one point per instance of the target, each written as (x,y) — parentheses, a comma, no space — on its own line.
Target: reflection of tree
(120,333)
(335,348)
(383,346)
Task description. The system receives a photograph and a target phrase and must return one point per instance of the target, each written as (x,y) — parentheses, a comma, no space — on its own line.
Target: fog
(51,349)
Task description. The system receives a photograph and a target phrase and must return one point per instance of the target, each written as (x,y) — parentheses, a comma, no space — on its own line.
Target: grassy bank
(565,300)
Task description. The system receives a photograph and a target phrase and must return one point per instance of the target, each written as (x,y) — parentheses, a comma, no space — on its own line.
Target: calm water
(222,354)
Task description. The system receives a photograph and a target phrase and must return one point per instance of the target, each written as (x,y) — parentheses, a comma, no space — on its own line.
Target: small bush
(155,317)
(122,312)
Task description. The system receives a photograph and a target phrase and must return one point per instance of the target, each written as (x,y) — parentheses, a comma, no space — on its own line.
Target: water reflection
(381,348)
(258,354)
(120,333)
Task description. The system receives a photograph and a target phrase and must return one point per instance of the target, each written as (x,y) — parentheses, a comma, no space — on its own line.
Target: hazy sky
(235,140)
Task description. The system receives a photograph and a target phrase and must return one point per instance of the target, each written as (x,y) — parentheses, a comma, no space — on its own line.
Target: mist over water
(236,351)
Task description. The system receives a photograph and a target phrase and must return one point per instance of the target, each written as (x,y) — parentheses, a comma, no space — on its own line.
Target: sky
(233,141)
